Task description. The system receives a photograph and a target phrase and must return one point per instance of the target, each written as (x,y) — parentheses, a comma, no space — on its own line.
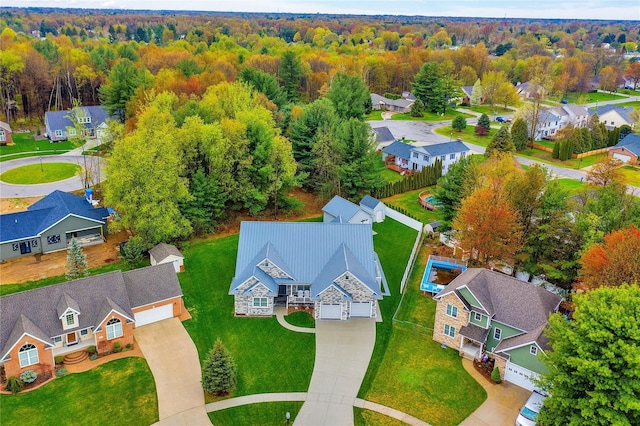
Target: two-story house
(483,311)
(552,120)
(61,127)
(415,158)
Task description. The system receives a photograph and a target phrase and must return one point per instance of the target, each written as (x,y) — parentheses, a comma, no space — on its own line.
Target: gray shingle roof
(474,332)
(338,206)
(537,335)
(383,134)
(46,212)
(445,148)
(163,250)
(5,126)
(315,253)
(630,142)
(399,149)
(151,284)
(623,111)
(508,300)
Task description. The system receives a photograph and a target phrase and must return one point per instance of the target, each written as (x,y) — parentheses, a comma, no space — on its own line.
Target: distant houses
(552,120)
(60,126)
(397,105)
(414,158)
(614,116)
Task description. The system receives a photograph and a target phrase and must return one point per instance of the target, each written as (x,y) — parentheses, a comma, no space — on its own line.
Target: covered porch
(472,342)
(80,345)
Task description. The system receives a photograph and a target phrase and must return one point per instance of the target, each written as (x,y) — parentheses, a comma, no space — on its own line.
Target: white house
(614,116)
(411,157)
(555,119)
(167,253)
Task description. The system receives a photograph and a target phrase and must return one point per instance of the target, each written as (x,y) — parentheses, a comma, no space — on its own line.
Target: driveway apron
(173,359)
(343,351)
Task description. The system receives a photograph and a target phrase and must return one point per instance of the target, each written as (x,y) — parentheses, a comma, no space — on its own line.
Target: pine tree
(501,142)
(459,123)
(556,150)
(519,133)
(219,375)
(76,261)
(484,122)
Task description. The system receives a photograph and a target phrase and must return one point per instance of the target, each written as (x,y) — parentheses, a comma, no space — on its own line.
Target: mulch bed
(484,368)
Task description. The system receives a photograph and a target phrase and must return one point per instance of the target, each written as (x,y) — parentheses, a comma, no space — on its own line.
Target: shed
(350,212)
(374,207)
(167,253)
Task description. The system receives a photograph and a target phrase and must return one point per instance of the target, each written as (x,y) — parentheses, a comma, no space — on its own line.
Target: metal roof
(338,206)
(370,202)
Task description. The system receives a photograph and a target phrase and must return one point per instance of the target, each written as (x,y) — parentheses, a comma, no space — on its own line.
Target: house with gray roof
(330,269)
(49,225)
(167,253)
(614,116)
(486,312)
(552,120)
(38,325)
(414,158)
(60,126)
(627,150)
(396,105)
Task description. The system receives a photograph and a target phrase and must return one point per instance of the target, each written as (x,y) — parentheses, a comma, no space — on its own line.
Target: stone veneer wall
(442,318)
(358,290)
(332,295)
(272,270)
(244,302)
(501,363)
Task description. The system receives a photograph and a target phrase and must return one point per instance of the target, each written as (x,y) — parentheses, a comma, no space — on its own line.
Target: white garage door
(520,376)
(330,311)
(153,315)
(622,157)
(361,309)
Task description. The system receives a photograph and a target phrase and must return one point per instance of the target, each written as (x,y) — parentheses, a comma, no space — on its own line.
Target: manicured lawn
(418,376)
(430,116)
(269,357)
(573,186)
(634,104)
(40,173)
(486,109)
(118,392)
(301,319)
(409,202)
(388,175)
(375,115)
(264,414)
(468,135)
(24,142)
(632,174)
(574,163)
(364,417)
(586,98)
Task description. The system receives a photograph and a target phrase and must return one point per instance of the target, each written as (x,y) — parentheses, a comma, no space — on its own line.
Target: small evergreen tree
(495,375)
(484,122)
(219,371)
(501,142)
(133,250)
(556,150)
(459,123)
(76,261)
(417,108)
(519,134)
(14,385)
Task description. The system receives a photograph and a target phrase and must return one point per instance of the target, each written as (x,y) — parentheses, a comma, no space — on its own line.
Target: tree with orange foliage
(487,222)
(615,261)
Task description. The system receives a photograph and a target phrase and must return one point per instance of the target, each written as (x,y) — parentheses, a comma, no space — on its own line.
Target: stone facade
(272,270)
(332,295)
(501,363)
(359,292)
(443,319)
(244,302)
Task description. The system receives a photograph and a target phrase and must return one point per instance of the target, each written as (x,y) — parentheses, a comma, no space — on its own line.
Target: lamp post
(41,169)
(450,136)
(288,417)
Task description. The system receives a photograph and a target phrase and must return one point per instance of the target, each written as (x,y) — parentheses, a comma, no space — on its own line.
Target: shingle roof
(399,149)
(383,134)
(506,299)
(537,335)
(94,297)
(314,252)
(623,111)
(338,206)
(445,148)
(58,120)
(46,212)
(370,202)
(163,250)
(474,332)
(5,126)
(630,142)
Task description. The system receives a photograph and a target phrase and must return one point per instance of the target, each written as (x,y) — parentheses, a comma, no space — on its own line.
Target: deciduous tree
(606,172)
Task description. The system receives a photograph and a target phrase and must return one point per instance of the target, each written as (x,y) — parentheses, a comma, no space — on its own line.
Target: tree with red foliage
(615,261)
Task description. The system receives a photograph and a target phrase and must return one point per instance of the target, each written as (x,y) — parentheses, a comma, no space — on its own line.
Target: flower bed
(485,368)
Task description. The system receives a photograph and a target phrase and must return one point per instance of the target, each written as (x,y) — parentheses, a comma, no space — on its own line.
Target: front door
(72,339)
(25,247)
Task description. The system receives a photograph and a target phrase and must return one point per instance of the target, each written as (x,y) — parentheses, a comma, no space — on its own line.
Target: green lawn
(364,417)
(263,414)
(634,104)
(418,376)
(450,114)
(632,174)
(409,202)
(468,135)
(375,115)
(253,342)
(586,98)
(388,175)
(40,173)
(573,163)
(25,143)
(300,319)
(486,109)
(572,186)
(118,392)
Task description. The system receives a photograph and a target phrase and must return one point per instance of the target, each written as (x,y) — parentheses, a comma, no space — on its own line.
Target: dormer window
(71,319)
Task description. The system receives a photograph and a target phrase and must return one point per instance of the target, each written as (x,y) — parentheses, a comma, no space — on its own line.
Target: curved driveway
(8,190)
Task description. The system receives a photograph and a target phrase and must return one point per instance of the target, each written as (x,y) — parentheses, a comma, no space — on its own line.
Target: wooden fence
(582,155)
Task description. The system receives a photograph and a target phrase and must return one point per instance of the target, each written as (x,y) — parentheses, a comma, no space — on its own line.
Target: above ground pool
(439,272)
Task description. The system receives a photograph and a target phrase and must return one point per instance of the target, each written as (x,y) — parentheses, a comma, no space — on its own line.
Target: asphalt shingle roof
(445,148)
(630,142)
(623,111)
(161,251)
(383,134)
(399,149)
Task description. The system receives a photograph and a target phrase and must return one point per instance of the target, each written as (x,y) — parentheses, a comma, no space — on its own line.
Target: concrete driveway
(343,352)
(173,359)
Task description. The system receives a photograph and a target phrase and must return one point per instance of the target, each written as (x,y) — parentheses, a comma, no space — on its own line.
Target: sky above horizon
(566,9)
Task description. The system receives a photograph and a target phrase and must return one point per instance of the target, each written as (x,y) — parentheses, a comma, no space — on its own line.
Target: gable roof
(399,149)
(45,213)
(338,206)
(315,253)
(506,299)
(624,112)
(383,134)
(370,202)
(5,126)
(161,251)
(94,297)
(534,336)
(58,120)
(630,142)
(445,148)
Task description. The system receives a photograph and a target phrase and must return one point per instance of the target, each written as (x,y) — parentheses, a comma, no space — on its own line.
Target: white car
(530,410)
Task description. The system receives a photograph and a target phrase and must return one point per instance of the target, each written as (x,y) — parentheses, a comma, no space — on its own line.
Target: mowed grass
(572,186)
(450,114)
(25,143)
(467,135)
(118,392)
(364,417)
(388,175)
(573,163)
(269,357)
(419,377)
(263,414)
(631,174)
(40,173)
(300,319)
(409,202)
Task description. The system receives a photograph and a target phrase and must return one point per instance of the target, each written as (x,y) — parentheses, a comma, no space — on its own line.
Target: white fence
(414,224)
(406,220)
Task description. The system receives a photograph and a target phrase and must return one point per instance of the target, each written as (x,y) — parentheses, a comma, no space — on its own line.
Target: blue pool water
(440,272)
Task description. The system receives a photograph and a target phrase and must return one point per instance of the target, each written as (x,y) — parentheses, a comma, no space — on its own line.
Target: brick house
(5,134)
(38,325)
(486,312)
(627,150)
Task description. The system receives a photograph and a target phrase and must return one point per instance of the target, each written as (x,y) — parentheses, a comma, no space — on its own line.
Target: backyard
(468,135)
(27,146)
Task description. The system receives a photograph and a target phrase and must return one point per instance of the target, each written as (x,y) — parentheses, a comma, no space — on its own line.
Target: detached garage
(153,315)
(331,311)
(627,150)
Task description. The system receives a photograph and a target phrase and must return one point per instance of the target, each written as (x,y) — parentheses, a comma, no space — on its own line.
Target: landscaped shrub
(58,359)
(14,385)
(459,123)
(93,357)
(495,375)
(61,372)
(129,346)
(117,347)
(556,150)
(481,131)
(91,350)
(29,376)
(219,373)
(428,176)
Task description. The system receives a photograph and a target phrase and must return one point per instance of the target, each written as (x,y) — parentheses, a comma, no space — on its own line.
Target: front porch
(74,347)
(472,342)
(471,350)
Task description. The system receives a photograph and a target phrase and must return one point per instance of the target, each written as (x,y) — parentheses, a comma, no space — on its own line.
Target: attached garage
(520,376)
(330,311)
(622,157)
(361,309)
(153,315)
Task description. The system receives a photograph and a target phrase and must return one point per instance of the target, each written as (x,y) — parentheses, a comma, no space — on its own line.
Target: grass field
(300,319)
(573,163)
(375,115)
(634,104)
(409,202)
(40,173)
(450,114)
(264,414)
(486,109)
(118,392)
(468,135)
(29,147)
(572,186)
(364,417)
(388,175)
(632,175)
(586,98)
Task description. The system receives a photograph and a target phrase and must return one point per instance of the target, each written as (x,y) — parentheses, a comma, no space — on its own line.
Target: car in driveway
(529,411)
(501,120)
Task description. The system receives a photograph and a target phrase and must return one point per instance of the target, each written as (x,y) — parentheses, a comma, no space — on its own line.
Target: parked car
(529,412)
(564,101)
(500,120)
(508,120)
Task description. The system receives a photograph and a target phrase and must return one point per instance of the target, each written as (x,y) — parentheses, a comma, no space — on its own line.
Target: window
(57,339)
(443,157)
(497,333)
(84,332)
(28,355)
(533,350)
(58,133)
(114,328)
(462,154)
(34,243)
(260,302)
(3,137)
(449,330)
(15,246)
(71,318)
(477,316)
(426,158)
(452,156)
(452,311)
(415,155)
(71,131)
(53,239)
